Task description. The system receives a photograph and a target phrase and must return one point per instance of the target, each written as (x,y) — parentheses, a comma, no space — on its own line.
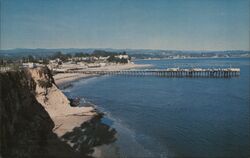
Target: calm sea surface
(174,117)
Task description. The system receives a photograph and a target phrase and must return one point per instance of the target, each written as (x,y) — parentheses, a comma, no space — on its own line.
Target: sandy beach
(64,79)
(65,117)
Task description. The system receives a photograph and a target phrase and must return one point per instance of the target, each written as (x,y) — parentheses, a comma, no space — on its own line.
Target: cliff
(26,127)
(25,124)
(37,121)
(57,104)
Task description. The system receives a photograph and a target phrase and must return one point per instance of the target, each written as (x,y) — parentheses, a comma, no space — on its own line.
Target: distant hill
(20,52)
(138,53)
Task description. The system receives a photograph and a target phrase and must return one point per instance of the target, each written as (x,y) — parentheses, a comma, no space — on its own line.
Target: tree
(1,62)
(61,56)
(122,60)
(31,58)
(68,55)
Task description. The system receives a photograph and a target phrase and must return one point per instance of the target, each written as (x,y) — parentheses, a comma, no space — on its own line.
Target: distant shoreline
(192,58)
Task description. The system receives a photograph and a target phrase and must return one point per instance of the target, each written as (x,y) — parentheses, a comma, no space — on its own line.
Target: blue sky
(148,24)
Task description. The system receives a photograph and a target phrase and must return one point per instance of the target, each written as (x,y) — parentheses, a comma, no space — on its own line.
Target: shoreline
(65,117)
(40,120)
(78,126)
(68,79)
(64,80)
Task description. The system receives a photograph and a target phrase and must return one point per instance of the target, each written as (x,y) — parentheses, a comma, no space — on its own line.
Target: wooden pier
(170,72)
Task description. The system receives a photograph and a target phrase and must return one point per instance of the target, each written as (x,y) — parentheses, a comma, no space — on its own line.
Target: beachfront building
(103,58)
(29,65)
(103,64)
(55,61)
(93,65)
(73,66)
(122,56)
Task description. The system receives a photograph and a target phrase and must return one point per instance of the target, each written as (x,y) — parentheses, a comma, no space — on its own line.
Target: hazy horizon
(194,25)
(125,49)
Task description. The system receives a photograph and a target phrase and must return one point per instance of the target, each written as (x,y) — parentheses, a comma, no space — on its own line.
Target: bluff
(36,119)
(25,126)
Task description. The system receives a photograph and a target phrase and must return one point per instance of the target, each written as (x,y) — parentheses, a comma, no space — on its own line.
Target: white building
(122,56)
(103,58)
(103,64)
(93,65)
(55,61)
(29,65)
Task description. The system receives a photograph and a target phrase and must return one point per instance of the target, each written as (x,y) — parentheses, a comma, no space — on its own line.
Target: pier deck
(170,72)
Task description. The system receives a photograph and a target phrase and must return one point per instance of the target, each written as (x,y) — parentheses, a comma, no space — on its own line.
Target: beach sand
(64,79)
(65,117)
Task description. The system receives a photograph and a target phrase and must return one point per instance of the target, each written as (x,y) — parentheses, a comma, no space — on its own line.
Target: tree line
(65,57)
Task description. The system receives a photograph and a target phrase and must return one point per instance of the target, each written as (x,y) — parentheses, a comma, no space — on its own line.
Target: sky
(135,24)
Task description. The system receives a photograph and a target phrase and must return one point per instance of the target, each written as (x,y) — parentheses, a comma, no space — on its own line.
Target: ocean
(174,117)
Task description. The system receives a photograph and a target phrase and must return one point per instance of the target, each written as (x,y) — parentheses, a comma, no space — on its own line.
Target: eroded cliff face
(26,129)
(65,117)
(25,125)
(36,119)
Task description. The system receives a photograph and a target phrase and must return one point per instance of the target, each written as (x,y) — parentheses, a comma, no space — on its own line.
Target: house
(103,64)
(55,61)
(103,58)
(29,65)
(122,56)
(93,65)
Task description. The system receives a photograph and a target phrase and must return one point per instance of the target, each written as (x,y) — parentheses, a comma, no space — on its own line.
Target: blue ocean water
(174,117)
